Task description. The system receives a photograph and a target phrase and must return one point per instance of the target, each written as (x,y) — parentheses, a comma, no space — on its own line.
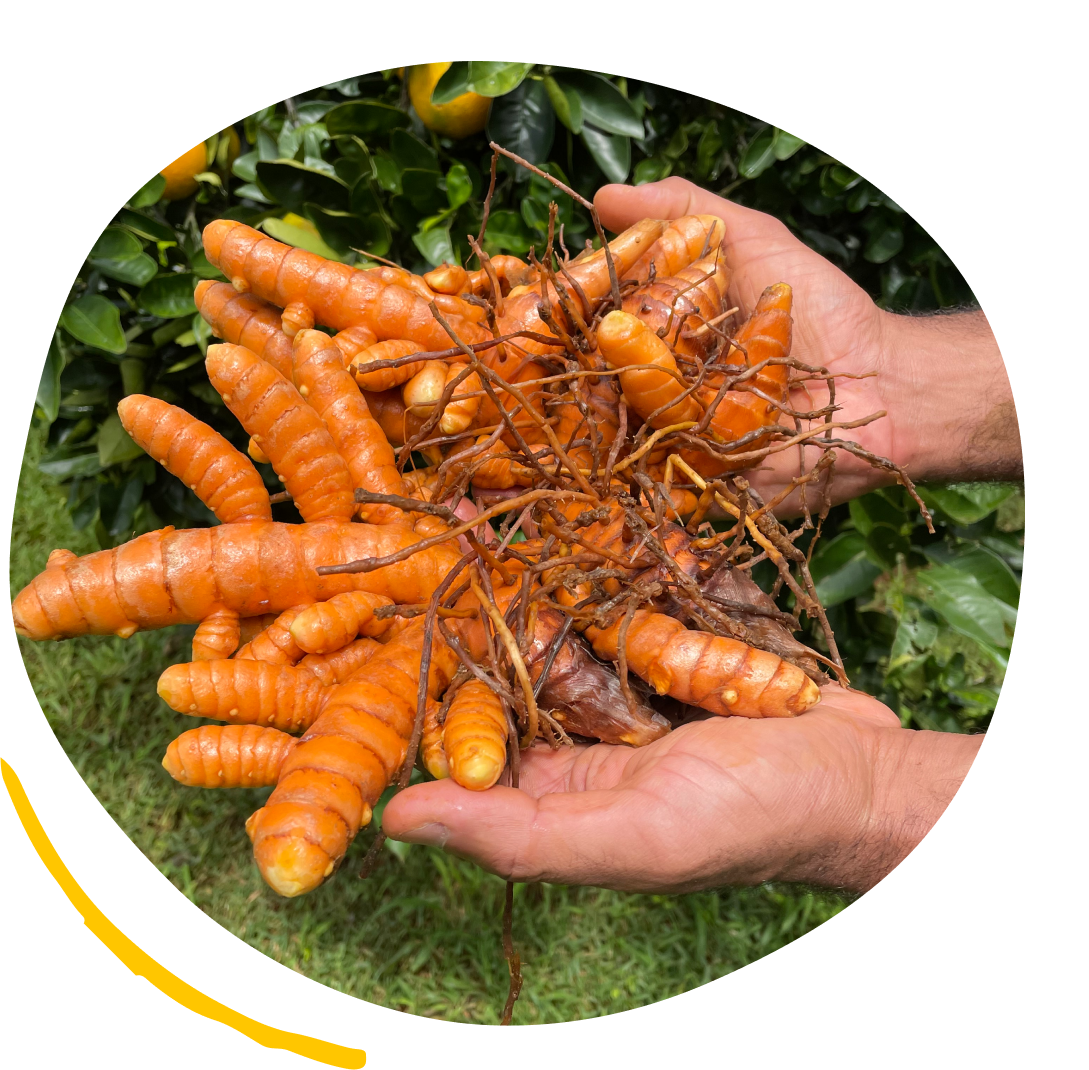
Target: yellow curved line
(143,965)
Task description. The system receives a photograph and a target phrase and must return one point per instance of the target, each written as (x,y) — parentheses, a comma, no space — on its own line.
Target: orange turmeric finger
(339,296)
(717,674)
(340,767)
(275,645)
(765,335)
(336,667)
(679,309)
(682,241)
(353,341)
(384,378)
(625,340)
(288,430)
(356,435)
(447,304)
(244,692)
(217,635)
(330,625)
(259,566)
(447,279)
(460,411)
(388,408)
(423,390)
(510,272)
(202,459)
(228,756)
(431,753)
(474,737)
(245,320)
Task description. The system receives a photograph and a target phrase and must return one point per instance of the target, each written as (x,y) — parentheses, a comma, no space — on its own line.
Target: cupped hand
(728,800)
(836,324)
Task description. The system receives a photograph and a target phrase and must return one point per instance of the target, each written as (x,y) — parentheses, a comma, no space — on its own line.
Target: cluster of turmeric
(602,404)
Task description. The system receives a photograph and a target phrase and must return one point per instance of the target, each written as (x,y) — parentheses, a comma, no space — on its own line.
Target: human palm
(723,800)
(836,324)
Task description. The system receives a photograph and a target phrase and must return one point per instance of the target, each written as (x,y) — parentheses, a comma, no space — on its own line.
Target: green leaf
(566,103)
(507,233)
(387,173)
(435,246)
(453,83)
(602,103)
(252,192)
(422,189)
(853,579)
(293,184)
(149,193)
(459,186)
(495,79)
(611,152)
(300,232)
(967,606)
(842,570)
(885,545)
(117,504)
(169,296)
(409,151)
(344,231)
(49,388)
(535,214)
(202,267)
(785,145)
(652,169)
(65,468)
(132,376)
(96,322)
(994,575)
(116,243)
(145,227)
(135,272)
(245,167)
(758,156)
(523,122)
(966,503)
(883,244)
(114,444)
(365,118)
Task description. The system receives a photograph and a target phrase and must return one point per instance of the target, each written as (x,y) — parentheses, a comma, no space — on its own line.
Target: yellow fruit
(181,175)
(463,116)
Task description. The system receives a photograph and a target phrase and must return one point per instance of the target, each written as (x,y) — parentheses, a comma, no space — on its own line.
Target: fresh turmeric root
(228,756)
(474,737)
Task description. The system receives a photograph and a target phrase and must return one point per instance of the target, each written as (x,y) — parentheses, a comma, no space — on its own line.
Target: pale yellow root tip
(476,771)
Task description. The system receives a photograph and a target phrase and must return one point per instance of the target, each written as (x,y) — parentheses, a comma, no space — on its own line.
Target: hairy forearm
(950,399)
(915,775)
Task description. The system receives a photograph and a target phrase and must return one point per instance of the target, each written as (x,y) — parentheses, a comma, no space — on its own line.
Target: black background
(939,948)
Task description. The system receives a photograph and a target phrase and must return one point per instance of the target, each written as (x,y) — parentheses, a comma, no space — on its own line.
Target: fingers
(563,837)
(621,206)
(858,706)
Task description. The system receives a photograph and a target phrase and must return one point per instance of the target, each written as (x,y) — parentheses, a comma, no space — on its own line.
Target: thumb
(621,206)
(565,837)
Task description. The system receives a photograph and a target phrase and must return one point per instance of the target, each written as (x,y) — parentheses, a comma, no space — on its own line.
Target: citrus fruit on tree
(181,175)
(463,116)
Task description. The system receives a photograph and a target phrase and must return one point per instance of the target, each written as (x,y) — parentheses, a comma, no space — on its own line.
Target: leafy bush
(349,170)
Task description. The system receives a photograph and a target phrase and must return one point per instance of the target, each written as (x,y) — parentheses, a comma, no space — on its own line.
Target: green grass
(423,933)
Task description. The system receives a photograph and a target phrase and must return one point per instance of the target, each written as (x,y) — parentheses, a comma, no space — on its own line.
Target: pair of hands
(835,797)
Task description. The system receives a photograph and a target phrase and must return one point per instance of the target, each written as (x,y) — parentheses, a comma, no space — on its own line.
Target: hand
(940,378)
(837,796)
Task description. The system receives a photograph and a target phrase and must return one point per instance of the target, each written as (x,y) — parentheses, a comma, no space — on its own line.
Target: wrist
(916,774)
(949,400)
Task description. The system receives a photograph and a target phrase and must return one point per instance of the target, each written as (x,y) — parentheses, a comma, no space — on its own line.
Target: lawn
(422,934)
